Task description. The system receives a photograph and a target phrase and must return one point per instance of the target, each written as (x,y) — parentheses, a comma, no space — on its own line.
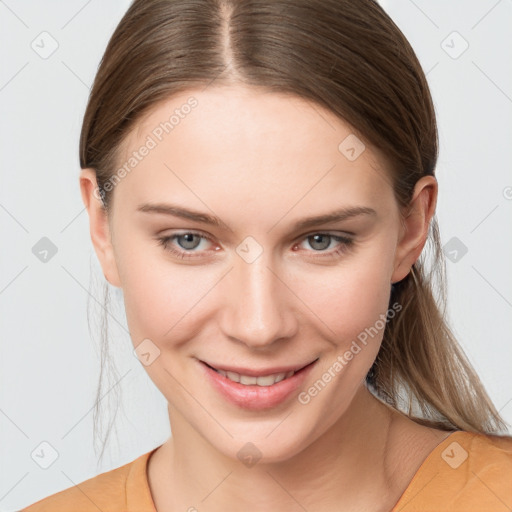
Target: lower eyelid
(343,243)
(343,240)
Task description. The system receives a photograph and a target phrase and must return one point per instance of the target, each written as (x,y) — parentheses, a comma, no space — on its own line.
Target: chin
(268,444)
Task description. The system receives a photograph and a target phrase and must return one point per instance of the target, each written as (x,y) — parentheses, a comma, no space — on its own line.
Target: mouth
(263,378)
(256,390)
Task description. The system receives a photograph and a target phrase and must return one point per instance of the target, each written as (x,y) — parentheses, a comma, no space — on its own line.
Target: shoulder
(466,471)
(479,455)
(489,463)
(488,450)
(111,491)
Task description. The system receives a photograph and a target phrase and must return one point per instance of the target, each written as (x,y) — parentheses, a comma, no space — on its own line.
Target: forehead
(234,138)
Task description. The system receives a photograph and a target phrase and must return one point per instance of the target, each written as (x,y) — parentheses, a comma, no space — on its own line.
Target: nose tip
(258,312)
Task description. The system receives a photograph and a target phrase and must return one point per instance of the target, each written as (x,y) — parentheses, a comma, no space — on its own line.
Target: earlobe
(414,227)
(99,226)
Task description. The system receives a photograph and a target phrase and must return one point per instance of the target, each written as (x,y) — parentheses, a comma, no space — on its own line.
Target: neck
(346,465)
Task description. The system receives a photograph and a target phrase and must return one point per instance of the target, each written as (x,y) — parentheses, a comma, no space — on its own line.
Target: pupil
(189,237)
(316,238)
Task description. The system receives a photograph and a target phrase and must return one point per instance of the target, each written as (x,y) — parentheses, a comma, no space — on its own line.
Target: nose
(258,305)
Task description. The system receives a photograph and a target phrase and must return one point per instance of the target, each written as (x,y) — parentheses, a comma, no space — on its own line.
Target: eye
(188,241)
(183,245)
(321,241)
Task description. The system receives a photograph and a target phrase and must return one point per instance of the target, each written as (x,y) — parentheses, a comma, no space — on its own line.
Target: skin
(261,161)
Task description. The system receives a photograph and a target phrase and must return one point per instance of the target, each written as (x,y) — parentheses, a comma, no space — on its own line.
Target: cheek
(160,297)
(349,299)
(355,308)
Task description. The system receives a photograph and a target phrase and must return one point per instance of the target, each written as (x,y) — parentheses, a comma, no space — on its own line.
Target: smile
(247,380)
(256,389)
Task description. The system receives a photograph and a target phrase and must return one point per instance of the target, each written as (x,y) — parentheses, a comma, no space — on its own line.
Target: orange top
(466,472)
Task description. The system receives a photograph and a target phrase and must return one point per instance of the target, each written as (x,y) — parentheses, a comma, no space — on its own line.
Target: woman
(259,178)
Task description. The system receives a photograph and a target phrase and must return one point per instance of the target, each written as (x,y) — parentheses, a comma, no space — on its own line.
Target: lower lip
(257,398)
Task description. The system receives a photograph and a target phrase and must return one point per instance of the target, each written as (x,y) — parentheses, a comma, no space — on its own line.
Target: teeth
(281,376)
(235,377)
(248,381)
(268,380)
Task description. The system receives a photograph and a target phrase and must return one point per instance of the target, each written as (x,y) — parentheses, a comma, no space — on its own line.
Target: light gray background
(49,365)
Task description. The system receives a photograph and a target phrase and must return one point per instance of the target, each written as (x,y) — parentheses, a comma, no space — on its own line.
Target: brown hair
(349,57)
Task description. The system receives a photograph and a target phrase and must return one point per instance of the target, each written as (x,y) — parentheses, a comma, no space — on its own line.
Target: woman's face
(242,282)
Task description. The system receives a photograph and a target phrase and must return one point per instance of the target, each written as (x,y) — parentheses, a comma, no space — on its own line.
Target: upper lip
(262,372)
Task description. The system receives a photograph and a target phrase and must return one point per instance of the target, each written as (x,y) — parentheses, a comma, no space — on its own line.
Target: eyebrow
(193,215)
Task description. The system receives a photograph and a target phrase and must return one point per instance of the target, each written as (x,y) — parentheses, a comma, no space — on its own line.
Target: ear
(99,226)
(414,227)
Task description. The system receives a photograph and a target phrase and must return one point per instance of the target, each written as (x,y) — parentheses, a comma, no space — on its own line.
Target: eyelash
(346,244)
